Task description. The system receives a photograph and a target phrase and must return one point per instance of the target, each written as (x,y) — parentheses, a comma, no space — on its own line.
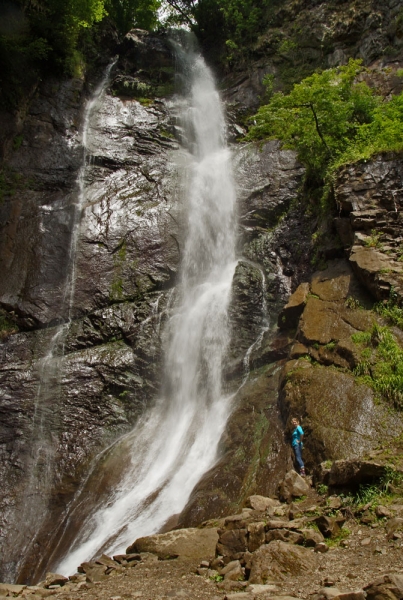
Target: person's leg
(298,458)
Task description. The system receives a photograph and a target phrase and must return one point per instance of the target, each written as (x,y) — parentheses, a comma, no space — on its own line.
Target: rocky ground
(303,544)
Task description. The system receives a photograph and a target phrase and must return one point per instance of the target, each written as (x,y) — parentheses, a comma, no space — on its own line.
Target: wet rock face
(340,416)
(107,364)
(304,36)
(370,225)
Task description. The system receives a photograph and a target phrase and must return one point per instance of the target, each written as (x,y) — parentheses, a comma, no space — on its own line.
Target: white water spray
(173,445)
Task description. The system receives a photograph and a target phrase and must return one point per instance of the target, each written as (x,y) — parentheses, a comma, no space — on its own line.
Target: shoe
(302,472)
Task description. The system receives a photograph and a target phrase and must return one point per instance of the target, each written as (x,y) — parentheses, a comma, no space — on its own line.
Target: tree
(320,118)
(127,14)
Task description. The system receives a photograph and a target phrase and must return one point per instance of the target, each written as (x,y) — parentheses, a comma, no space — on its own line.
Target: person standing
(296,442)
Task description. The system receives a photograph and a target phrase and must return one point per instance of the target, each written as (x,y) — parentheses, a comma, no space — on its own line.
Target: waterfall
(45,422)
(175,443)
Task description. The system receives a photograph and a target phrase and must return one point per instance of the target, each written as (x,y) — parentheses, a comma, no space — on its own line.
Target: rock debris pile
(300,545)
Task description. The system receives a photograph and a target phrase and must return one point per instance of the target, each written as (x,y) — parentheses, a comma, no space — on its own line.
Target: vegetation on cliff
(331,118)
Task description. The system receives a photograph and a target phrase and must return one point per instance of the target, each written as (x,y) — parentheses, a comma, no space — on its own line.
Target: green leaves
(381,364)
(319,117)
(331,119)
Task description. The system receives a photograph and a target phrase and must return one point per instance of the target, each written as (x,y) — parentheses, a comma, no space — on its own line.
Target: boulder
(382,512)
(256,536)
(278,559)
(285,535)
(392,526)
(333,593)
(387,587)
(10,589)
(231,542)
(329,526)
(186,543)
(261,502)
(233,571)
(107,561)
(289,316)
(312,537)
(354,472)
(293,486)
(54,579)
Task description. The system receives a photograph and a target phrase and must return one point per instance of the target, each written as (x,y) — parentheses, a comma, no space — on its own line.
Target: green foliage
(335,541)
(391,311)
(383,133)
(322,489)
(7,325)
(127,14)
(50,36)
(382,367)
(378,492)
(372,241)
(330,119)
(352,303)
(217,578)
(226,28)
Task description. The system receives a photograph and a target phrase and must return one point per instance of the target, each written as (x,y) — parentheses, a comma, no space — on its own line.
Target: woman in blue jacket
(296,442)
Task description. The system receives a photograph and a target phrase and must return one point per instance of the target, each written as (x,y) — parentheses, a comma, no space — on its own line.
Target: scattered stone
(257,588)
(126,558)
(327,593)
(311,537)
(393,526)
(329,526)
(217,563)
(11,589)
(321,547)
(334,502)
(231,586)
(106,561)
(233,571)
(285,535)
(382,511)
(387,587)
(366,541)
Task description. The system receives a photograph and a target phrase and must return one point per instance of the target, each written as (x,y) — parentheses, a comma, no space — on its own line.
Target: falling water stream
(46,416)
(175,443)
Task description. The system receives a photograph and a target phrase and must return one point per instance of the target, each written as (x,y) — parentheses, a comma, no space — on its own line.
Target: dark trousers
(298,457)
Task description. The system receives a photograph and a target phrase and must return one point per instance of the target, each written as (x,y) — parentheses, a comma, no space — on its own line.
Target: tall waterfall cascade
(176,441)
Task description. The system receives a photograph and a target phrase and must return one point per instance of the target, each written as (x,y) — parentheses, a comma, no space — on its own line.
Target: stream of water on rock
(175,443)
(46,416)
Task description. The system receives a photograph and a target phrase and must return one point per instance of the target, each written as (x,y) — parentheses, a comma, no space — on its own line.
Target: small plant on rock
(322,489)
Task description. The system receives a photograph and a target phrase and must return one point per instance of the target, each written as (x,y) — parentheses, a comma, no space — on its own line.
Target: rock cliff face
(107,360)
(69,391)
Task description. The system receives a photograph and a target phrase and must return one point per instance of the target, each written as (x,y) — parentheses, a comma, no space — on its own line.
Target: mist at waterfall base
(175,443)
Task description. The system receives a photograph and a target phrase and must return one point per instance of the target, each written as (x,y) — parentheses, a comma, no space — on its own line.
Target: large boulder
(278,559)
(293,486)
(354,472)
(386,587)
(186,543)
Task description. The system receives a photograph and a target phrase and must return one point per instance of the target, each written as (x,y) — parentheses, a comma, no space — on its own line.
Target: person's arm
(301,432)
